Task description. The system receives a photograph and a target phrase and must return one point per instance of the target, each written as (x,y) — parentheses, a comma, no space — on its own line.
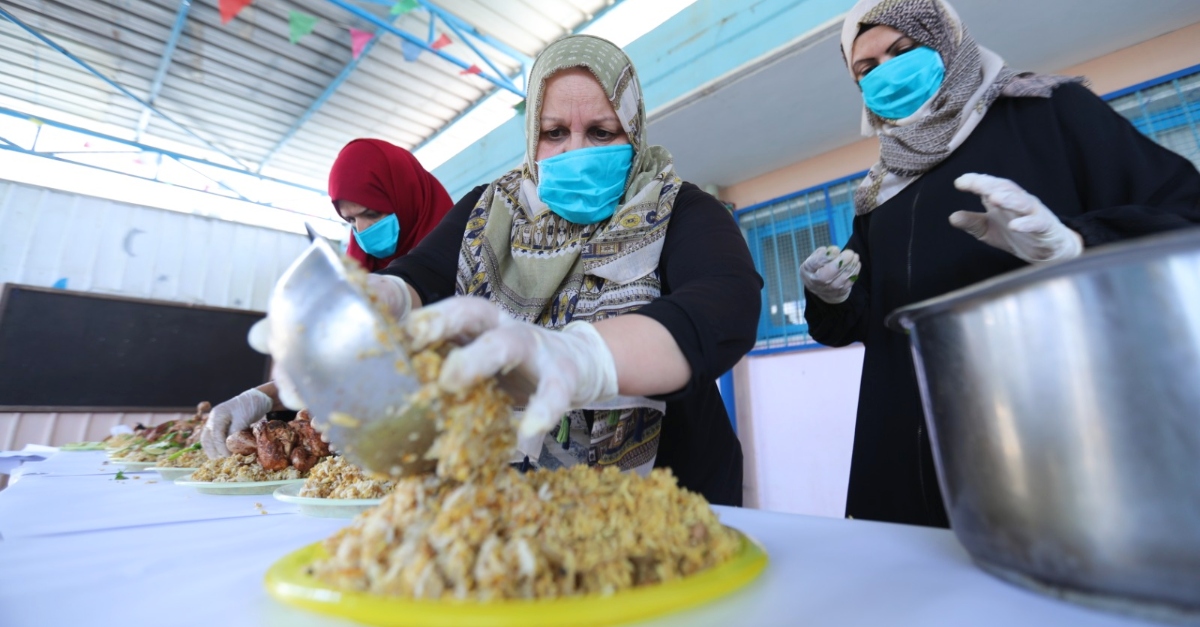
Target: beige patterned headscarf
(975,77)
(532,259)
(546,270)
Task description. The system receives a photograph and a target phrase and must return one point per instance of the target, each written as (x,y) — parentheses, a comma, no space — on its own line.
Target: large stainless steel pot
(1064,406)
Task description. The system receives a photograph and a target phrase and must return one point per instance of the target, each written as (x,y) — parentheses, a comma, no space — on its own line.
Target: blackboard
(73,351)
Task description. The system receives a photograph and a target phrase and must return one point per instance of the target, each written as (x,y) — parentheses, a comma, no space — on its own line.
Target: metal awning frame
(466,33)
(158,154)
(146,106)
(164,64)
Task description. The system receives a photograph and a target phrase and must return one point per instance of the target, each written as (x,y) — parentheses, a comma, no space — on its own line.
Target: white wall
(112,247)
(796,414)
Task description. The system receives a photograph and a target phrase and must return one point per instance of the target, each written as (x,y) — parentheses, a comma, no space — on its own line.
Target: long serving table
(80,547)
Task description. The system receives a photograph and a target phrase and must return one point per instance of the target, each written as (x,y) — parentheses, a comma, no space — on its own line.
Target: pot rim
(1120,253)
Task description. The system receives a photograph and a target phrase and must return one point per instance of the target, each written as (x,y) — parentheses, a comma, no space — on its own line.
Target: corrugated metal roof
(243,86)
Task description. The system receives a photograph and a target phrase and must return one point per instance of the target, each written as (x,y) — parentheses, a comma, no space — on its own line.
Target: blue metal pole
(452,19)
(409,37)
(143,147)
(85,65)
(51,156)
(161,73)
(318,103)
(504,78)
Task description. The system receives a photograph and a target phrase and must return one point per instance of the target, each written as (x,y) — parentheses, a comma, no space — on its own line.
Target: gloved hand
(550,372)
(1015,222)
(391,293)
(232,416)
(830,273)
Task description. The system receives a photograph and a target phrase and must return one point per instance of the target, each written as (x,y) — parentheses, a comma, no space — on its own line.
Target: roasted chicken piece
(309,446)
(309,438)
(275,443)
(242,442)
(154,433)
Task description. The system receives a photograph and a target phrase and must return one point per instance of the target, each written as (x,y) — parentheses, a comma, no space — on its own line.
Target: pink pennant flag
(474,69)
(230,8)
(358,41)
(441,42)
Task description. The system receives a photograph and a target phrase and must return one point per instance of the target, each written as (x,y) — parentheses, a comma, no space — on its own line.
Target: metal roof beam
(451,19)
(500,80)
(316,104)
(180,157)
(161,74)
(100,75)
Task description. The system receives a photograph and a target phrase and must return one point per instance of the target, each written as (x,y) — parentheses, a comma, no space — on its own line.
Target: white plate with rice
(236,487)
(323,508)
(171,474)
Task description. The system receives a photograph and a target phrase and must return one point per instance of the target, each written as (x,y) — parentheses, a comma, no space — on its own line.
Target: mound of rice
(188,459)
(479,530)
(241,468)
(336,478)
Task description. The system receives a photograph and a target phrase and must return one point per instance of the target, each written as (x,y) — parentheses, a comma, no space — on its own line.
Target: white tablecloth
(89,551)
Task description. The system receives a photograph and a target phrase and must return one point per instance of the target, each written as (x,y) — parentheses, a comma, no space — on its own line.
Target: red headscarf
(388,179)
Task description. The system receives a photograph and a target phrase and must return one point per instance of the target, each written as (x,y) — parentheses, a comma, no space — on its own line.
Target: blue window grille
(783,232)
(1166,109)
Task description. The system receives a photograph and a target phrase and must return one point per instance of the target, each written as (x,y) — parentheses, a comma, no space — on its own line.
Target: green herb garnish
(120,475)
(194,447)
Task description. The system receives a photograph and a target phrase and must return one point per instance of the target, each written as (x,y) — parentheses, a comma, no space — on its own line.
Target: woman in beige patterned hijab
(612,293)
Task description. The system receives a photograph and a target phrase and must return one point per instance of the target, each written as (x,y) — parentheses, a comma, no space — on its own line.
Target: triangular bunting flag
(358,41)
(299,25)
(441,42)
(230,8)
(411,51)
(404,6)
(474,69)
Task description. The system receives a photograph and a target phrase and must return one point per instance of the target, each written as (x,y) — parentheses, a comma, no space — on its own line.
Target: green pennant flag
(520,107)
(404,6)
(299,25)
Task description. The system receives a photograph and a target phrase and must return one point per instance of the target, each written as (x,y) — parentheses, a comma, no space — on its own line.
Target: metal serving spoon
(341,357)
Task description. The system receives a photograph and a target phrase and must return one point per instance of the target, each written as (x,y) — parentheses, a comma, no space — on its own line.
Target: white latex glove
(830,273)
(390,292)
(1015,222)
(232,416)
(555,370)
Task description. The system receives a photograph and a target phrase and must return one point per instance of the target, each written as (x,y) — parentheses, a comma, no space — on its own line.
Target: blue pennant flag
(411,51)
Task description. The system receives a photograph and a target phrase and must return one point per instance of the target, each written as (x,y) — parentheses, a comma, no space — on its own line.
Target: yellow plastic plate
(288,582)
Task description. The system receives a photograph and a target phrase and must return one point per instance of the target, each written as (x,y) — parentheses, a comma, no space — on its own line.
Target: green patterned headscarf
(543,269)
(534,263)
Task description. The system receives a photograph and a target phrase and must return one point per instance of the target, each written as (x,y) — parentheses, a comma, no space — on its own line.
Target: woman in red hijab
(391,201)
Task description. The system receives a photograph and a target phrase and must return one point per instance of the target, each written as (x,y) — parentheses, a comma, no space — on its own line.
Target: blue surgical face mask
(896,88)
(584,185)
(380,239)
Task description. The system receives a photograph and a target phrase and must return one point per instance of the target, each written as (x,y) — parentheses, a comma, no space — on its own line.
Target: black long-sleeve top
(1086,163)
(710,305)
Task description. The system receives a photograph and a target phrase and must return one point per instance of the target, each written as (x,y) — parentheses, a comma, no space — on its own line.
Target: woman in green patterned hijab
(609,293)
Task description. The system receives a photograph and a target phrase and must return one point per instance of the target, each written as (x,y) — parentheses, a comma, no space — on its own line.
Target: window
(782,233)
(1166,109)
